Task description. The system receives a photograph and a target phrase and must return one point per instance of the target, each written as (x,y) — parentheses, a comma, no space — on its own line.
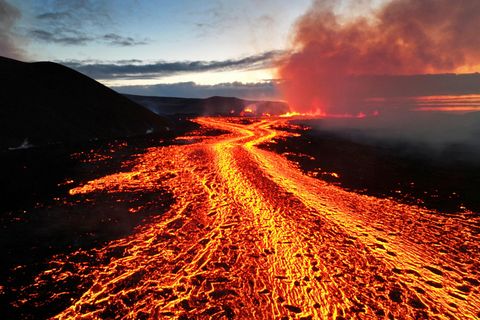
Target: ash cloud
(402,37)
(9,46)
(120,70)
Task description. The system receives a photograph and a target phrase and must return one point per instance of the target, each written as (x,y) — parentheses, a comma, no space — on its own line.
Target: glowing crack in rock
(252,237)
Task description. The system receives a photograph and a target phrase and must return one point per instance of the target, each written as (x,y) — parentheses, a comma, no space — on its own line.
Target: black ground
(48,103)
(445,183)
(39,219)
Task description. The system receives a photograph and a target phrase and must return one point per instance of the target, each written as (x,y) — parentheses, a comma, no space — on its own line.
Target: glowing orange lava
(290,114)
(251,237)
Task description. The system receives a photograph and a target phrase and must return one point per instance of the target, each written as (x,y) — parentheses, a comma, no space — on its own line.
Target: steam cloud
(402,37)
(8,46)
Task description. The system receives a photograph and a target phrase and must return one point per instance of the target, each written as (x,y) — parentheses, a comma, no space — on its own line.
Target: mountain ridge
(215,105)
(48,103)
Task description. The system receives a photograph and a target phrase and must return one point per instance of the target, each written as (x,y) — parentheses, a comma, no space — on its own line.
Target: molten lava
(251,237)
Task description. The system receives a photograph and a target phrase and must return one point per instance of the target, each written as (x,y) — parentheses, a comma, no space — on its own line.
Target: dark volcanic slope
(210,106)
(46,102)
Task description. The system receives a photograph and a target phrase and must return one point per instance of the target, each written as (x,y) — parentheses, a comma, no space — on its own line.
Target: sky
(134,44)
(302,51)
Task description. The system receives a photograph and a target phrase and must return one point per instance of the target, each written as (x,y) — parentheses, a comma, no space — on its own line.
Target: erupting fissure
(252,237)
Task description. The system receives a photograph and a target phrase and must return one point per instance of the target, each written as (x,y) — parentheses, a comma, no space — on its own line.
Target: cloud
(54,16)
(74,13)
(118,70)
(118,40)
(65,37)
(8,40)
(260,90)
(77,22)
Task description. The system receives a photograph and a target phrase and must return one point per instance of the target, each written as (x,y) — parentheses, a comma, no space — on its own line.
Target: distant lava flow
(251,237)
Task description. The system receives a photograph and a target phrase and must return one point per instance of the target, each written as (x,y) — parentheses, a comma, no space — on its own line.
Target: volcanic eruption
(332,53)
(212,207)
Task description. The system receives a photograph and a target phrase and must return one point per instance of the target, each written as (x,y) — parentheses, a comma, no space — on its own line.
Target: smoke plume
(402,37)
(8,46)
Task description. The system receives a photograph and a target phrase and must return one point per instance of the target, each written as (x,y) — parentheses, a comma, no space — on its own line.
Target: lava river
(252,237)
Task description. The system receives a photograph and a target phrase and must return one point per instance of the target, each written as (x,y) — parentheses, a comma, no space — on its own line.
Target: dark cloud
(8,41)
(162,68)
(66,37)
(54,16)
(261,90)
(118,40)
(74,13)
(71,37)
(77,22)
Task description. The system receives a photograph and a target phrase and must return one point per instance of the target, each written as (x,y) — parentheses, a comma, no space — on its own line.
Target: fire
(248,111)
(291,114)
(359,115)
(252,237)
(399,37)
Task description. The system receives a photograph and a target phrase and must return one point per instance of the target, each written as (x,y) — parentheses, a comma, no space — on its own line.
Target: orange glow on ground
(251,237)
(462,103)
(461,109)
(291,114)
(359,115)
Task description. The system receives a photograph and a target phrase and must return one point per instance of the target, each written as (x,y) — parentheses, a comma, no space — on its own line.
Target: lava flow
(251,237)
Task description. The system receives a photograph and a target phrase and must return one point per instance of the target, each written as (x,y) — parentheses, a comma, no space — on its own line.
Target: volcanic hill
(45,102)
(216,105)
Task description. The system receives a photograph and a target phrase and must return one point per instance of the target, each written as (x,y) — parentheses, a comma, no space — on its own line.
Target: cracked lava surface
(251,237)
